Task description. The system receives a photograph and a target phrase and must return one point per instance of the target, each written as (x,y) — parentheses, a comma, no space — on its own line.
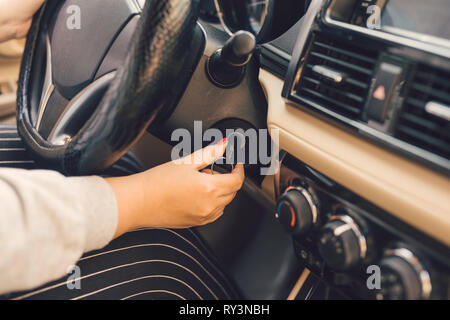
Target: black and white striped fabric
(12,149)
(143,264)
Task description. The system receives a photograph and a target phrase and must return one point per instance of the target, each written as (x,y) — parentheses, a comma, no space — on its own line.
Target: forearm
(129,194)
(47,221)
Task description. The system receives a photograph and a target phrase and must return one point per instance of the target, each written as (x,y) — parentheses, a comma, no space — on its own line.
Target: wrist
(127,204)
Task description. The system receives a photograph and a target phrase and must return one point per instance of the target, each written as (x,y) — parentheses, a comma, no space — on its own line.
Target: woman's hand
(176,194)
(16,16)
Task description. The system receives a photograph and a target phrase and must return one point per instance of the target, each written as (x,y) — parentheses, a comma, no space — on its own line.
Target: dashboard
(362,114)
(358,93)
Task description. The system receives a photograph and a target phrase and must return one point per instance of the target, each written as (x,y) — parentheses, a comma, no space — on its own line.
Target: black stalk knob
(238,50)
(226,67)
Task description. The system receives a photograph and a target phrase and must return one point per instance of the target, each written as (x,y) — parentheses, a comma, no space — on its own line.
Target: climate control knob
(297,210)
(341,243)
(403,277)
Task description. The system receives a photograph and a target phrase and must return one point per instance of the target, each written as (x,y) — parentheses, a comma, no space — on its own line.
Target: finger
(204,157)
(209,171)
(239,169)
(231,194)
(230,182)
(221,203)
(225,200)
(216,214)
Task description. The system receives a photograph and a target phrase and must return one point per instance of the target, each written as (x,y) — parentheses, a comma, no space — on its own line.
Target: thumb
(206,156)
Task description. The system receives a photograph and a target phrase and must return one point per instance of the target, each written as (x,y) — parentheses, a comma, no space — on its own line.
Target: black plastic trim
(274,60)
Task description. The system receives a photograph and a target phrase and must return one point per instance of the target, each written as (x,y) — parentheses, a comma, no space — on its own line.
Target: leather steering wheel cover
(159,50)
(48,155)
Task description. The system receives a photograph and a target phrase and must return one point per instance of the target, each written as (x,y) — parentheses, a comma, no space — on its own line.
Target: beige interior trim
(299,284)
(10,56)
(411,192)
(12,49)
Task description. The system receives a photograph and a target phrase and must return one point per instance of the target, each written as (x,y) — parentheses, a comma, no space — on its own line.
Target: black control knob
(238,50)
(226,67)
(403,277)
(341,243)
(297,210)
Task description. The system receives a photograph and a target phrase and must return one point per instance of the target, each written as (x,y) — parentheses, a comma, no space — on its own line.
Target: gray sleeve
(47,221)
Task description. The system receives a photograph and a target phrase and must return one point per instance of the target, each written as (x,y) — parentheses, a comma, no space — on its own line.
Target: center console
(348,242)
(377,70)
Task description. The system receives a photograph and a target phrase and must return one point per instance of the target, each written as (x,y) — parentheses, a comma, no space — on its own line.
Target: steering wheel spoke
(48,86)
(79,109)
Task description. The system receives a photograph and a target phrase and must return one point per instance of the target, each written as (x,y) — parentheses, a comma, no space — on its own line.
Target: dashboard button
(387,79)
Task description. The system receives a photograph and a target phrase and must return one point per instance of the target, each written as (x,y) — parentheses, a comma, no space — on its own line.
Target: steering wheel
(94,76)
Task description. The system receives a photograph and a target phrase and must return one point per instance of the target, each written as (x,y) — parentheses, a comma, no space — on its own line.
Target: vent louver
(420,125)
(336,75)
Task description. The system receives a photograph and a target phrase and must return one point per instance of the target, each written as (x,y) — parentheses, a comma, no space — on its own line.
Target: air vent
(425,117)
(336,75)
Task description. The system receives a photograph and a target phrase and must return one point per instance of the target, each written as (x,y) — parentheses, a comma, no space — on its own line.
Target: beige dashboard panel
(414,194)
(10,56)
